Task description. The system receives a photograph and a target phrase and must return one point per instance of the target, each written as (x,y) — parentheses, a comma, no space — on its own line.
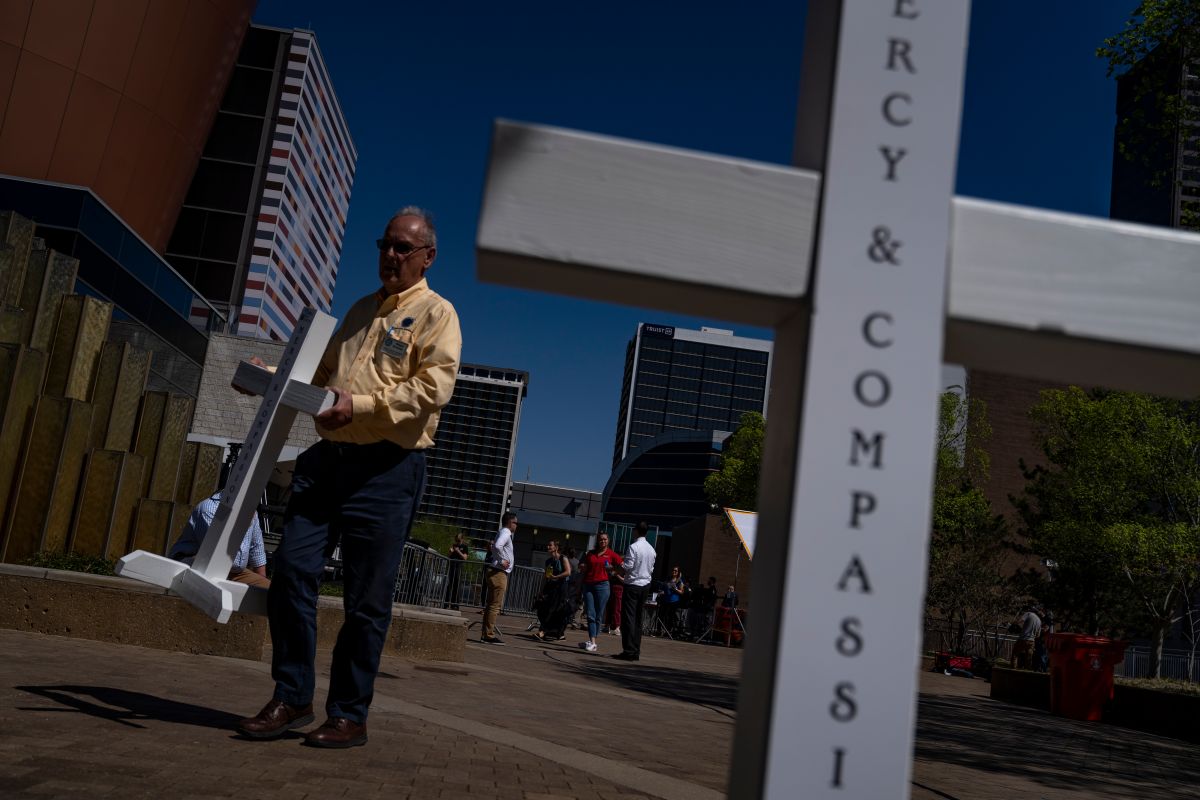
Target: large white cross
(285,392)
(828,691)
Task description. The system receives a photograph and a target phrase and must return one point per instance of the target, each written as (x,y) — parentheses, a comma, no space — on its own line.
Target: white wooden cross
(204,584)
(828,691)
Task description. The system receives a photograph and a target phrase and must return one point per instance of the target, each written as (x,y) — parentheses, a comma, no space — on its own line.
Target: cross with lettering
(285,392)
(828,691)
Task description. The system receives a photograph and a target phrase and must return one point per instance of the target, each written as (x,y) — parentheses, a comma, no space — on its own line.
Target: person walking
(635,571)
(596,568)
(391,367)
(500,565)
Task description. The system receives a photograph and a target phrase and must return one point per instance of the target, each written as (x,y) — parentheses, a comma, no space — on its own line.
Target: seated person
(250,563)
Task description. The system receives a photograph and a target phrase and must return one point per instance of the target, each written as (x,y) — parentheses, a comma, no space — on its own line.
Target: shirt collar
(388,303)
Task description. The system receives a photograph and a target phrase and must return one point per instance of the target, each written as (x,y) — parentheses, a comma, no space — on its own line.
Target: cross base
(216,598)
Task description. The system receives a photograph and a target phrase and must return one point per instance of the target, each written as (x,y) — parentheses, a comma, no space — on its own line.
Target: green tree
(735,485)
(966,587)
(1118,509)
(1160,112)
(433,532)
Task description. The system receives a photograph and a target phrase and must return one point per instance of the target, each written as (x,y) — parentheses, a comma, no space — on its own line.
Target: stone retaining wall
(109,609)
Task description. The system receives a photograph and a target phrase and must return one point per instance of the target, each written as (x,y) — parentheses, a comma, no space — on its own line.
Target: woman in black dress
(554,606)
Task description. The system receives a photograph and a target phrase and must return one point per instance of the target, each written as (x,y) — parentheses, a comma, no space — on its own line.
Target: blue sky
(420,85)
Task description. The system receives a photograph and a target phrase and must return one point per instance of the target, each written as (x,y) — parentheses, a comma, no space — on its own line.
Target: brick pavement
(529,720)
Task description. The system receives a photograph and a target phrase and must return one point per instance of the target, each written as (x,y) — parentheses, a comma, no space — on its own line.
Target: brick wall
(1008,400)
(708,546)
(223,412)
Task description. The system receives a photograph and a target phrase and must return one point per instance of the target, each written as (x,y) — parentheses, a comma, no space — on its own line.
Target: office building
(260,234)
(1159,184)
(685,380)
(547,512)
(469,468)
(661,482)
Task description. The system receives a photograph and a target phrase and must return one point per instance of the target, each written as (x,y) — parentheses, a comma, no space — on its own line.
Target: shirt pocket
(394,353)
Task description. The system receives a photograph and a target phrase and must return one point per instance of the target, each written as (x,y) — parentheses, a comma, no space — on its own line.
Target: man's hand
(340,413)
(258,362)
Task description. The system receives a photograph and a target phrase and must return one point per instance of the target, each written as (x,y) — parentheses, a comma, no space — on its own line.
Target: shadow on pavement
(718,692)
(125,707)
(982,734)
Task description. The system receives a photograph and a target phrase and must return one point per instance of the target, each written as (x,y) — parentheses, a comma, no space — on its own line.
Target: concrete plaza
(527,720)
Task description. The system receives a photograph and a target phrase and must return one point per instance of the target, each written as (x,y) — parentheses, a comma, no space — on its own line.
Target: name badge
(393,345)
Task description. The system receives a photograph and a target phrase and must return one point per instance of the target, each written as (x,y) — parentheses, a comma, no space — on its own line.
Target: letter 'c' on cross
(889,115)
(866,329)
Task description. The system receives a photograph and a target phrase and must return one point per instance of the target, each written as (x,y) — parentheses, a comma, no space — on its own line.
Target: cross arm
(1035,293)
(608,219)
(297,395)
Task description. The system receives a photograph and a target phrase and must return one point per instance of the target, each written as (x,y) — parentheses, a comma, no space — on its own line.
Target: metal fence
(991,643)
(428,578)
(998,643)
(1178,665)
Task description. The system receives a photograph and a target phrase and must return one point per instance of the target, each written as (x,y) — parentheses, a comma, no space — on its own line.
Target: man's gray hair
(426,220)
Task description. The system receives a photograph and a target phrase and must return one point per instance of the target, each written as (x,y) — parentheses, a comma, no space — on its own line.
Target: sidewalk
(528,720)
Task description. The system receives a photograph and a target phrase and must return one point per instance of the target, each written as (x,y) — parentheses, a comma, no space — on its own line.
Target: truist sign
(859,532)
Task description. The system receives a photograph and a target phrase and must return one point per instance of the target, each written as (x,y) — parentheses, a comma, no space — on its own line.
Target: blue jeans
(595,600)
(366,496)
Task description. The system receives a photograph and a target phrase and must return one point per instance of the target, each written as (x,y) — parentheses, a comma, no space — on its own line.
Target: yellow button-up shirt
(398,356)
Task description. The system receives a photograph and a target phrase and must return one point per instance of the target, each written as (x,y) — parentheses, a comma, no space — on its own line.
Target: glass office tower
(679,379)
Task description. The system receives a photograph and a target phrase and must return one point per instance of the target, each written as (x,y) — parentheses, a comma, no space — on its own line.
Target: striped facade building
(305,200)
(261,230)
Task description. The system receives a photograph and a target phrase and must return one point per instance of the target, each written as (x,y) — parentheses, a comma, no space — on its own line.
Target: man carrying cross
(392,367)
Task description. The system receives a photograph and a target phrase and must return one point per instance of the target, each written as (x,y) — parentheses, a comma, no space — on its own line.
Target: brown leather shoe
(276,719)
(337,732)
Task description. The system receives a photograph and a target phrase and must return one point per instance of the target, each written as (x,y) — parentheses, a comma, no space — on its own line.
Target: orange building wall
(115,95)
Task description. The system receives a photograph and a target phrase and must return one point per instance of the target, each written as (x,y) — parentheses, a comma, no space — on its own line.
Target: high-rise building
(469,468)
(260,233)
(679,379)
(1158,183)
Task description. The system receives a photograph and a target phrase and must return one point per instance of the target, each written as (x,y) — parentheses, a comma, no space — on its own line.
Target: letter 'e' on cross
(828,690)
(284,392)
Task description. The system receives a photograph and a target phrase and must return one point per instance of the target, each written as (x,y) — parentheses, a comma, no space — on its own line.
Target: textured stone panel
(105,476)
(121,530)
(177,418)
(48,478)
(22,379)
(152,526)
(149,425)
(16,234)
(49,277)
(78,339)
(199,471)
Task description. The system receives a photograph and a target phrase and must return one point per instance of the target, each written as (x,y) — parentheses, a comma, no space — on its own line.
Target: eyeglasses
(400,248)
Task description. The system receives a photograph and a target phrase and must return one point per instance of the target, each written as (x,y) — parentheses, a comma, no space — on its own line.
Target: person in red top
(596,568)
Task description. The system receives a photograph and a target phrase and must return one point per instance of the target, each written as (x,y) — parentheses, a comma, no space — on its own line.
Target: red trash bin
(1081,673)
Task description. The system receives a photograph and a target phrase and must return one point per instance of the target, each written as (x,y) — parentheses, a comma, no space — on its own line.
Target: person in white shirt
(636,570)
(500,564)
